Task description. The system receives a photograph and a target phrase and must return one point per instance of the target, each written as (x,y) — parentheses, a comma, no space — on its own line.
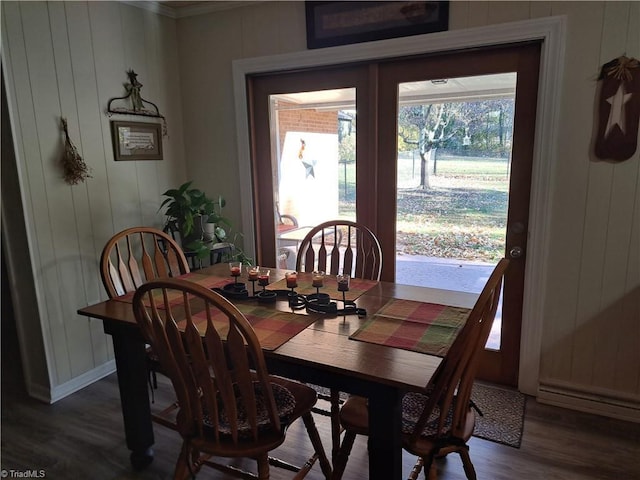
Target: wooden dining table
(322,353)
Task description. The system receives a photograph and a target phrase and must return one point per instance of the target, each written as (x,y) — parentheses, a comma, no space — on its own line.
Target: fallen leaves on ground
(465,246)
(454,218)
(463,219)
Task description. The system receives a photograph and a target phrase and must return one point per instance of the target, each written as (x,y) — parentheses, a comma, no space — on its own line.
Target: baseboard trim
(39,392)
(81,381)
(583,401)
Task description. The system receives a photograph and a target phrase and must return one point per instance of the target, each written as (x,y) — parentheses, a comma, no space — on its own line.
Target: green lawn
(462,215)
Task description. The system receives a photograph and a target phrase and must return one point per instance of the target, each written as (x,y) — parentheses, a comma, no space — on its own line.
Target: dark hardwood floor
(81,436)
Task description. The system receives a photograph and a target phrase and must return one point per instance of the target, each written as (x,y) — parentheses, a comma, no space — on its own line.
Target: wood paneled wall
(592,324)
(69,58)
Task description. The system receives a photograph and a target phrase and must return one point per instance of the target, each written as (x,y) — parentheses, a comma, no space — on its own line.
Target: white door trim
(551,30)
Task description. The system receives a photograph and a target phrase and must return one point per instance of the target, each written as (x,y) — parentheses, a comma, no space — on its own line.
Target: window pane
(313,167)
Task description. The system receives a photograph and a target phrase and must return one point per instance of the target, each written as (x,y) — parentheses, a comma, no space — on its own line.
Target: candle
(253,273)
(317,279)
(234,267)
(343,283)
(292,279)
(263,278)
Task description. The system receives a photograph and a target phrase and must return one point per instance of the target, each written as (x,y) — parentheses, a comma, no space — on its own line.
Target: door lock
(516,252)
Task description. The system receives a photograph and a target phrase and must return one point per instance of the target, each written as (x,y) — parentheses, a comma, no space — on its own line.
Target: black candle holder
(235,269)
(343,286)
(292,281)
(252,276)
(296,302)
(317,281)
(234,290)
(266,296)
(321,302)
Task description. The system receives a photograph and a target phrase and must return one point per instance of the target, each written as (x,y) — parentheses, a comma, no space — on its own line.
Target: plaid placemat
(272,327)
(420,327)
(208,281)
(357,286)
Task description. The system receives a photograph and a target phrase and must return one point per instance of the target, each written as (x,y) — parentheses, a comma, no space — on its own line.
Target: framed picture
(136,140)
(339,23)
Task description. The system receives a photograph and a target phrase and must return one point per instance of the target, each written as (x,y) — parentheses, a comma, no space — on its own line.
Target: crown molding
(190,9)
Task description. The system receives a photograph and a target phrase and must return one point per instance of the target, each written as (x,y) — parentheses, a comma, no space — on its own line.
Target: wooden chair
(228,404)
(440,419)
(285,222)
(340,246)
(135,256)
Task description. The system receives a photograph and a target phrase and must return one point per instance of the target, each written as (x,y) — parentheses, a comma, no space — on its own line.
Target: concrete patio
(443,273)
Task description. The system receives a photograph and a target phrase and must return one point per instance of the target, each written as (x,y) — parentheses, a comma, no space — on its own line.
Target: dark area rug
(502,408)
(503,414)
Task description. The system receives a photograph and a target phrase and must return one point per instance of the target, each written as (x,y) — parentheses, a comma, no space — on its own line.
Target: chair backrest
(341,246)
(450,387)
(219,377)
(137,255)
(284,221)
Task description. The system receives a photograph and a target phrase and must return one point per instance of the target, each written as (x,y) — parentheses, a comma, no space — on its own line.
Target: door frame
(551,30)
(260,90)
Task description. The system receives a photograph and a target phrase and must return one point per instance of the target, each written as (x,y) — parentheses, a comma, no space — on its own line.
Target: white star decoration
(616,114)
(308,169)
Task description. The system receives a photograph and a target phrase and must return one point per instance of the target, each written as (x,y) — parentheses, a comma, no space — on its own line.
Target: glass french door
(453,166)
(477,101)
(308,130)
(335,142)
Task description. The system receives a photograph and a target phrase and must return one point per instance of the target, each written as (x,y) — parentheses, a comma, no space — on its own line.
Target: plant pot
(209,232)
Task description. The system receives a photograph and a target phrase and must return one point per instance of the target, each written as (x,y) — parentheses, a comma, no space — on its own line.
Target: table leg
(131,365)
(385,443)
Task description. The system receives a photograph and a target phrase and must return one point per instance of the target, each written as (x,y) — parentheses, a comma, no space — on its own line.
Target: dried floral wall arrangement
(75,170)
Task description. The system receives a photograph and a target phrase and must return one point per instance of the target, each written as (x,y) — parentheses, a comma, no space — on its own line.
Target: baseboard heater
(605,403)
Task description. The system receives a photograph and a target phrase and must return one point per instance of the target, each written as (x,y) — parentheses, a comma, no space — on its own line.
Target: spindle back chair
(228,404)
(440,419)
(341,246)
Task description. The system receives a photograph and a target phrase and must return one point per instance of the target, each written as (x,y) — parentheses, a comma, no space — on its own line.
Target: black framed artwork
(340,23)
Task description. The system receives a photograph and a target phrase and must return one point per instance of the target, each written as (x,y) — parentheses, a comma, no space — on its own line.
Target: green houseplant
(187,209)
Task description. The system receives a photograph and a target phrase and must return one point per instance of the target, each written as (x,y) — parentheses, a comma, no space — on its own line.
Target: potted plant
(199,220)
(187,210)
